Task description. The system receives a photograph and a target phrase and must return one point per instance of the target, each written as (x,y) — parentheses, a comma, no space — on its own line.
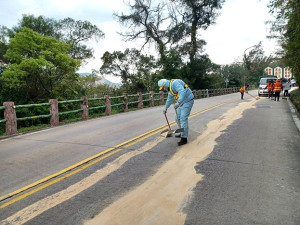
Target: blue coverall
(186,97)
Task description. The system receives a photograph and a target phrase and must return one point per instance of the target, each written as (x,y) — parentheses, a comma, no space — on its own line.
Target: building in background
(279,71)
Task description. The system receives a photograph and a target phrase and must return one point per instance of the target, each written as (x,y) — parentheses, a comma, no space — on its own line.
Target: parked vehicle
(293,83)
(262,90)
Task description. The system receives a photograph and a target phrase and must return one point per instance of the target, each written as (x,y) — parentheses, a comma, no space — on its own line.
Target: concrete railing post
(108,105)
(125,102)
(140,104)
(85,108)
(11,118)
(54,121)
(162,96)
(195,93)
(151,98)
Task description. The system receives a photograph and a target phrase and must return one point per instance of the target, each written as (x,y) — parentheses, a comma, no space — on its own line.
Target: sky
(240,25)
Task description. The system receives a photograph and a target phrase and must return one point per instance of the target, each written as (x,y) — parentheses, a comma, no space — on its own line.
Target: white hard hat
(162,83)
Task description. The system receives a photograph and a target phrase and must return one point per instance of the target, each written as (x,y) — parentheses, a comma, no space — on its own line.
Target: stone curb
(295,114)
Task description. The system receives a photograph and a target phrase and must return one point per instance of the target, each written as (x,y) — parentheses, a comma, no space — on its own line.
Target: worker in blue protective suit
(184,97)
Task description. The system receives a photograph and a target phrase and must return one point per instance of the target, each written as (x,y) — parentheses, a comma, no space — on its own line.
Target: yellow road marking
(88,162)
(59,179)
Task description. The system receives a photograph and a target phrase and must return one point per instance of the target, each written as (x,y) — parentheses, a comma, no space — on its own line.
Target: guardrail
(87,105)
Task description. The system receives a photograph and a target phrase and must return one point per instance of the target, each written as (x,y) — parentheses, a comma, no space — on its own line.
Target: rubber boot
(182,141)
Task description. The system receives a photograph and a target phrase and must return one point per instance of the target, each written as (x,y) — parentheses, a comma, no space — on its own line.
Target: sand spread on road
(161,198)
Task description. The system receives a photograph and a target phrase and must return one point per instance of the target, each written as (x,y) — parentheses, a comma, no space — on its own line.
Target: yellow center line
(58,179)
(71,170)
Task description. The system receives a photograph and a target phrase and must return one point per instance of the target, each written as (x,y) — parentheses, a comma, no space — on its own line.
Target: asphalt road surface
(240,166)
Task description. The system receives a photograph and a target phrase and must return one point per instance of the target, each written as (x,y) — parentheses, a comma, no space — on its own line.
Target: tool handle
(167,120)
(177,119)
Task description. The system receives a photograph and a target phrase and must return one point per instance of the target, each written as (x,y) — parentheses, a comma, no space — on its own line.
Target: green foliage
(39,66)
(235,73)
(195,15)
(292,35)
(198,74)
(147,20)
(3,45)
(255,62)
(3,49)
(93,87)
(295,98)
(40,24)
(169,25)
(173,65)
(134,68)
(73,32)
(286,29)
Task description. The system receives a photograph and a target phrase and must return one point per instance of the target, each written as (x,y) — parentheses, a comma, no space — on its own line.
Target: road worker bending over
(183,95)
(243,89)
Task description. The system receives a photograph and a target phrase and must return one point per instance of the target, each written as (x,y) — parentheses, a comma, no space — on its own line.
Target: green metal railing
(2,120)
(34,117)
(31,105)
(100,103)
(69,101)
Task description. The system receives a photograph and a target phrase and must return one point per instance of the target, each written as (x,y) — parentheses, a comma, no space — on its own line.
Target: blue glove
(176,105)
(165,110)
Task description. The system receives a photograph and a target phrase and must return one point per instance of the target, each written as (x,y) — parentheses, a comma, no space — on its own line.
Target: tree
(149,22)
(255,62)
(92,85)
(73,32)
(235,73)
(134,68)
(40,24)
(286,29)
(3,44)
(39,66)
(196,15)
(168,24)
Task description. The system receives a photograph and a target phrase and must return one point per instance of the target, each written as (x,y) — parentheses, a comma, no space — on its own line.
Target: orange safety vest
(270,87)
(176,94)
(277,87)
(242,89)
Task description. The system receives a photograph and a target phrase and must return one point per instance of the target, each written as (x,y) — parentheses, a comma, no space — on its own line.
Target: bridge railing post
(11,118)
(85,108)
(54,120)
(151,98)
(140,104)
(108,105)
(125,102)
(162,96)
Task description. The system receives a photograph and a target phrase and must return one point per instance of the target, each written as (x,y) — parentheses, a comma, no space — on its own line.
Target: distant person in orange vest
(270,87)
(277,89)
(243,89)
